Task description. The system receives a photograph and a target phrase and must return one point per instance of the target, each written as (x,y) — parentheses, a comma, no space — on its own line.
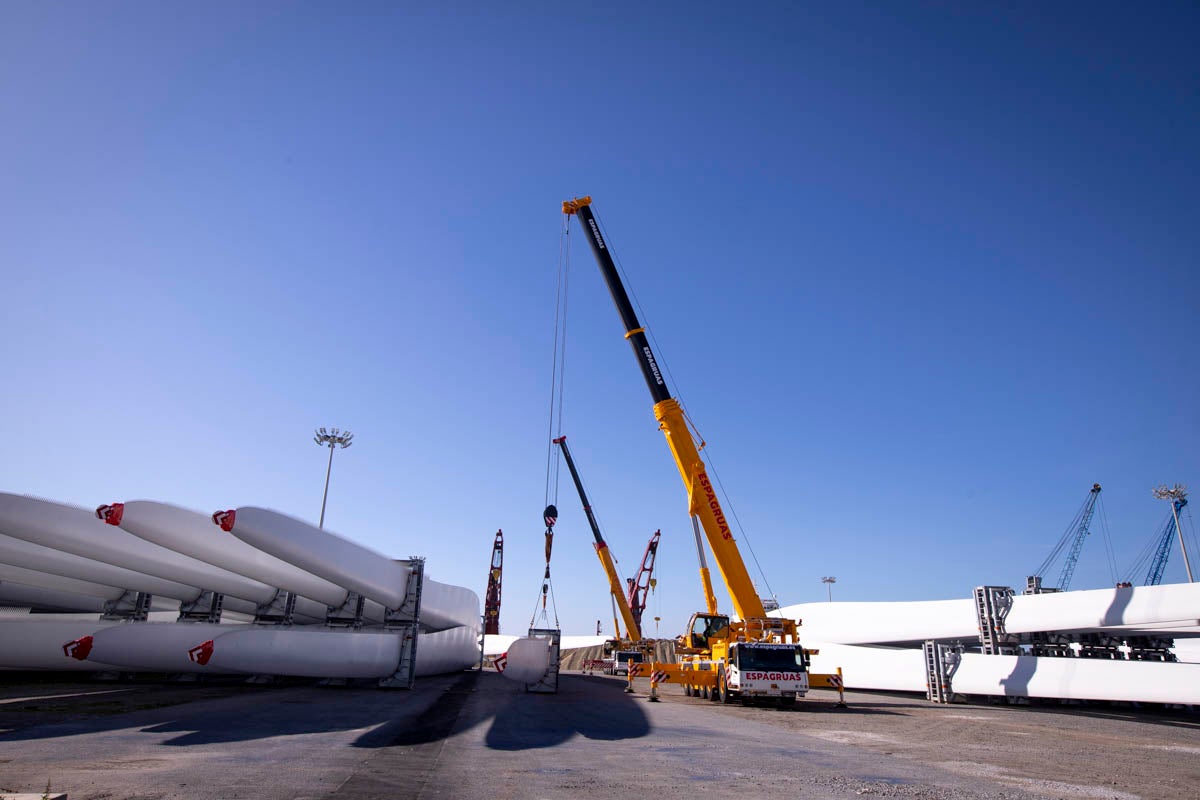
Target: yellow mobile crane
(755,655)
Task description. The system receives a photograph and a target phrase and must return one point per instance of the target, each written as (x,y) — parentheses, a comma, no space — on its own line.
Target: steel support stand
(549,683)
(406,622)
(205,608)
(129,607)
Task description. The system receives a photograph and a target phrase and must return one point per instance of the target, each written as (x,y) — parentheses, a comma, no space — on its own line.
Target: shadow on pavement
(595,708)
(241,714)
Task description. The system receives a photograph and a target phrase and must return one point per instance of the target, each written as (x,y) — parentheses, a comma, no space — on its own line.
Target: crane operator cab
(705,627)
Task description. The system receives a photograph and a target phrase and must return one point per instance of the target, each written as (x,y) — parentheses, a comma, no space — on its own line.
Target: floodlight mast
(829,580)
(334,438)
(1177,494)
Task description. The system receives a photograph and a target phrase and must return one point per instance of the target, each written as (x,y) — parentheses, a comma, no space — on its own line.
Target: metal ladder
(940,664)
(992,604)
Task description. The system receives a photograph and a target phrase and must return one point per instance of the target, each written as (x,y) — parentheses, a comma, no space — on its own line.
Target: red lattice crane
(639,587)
(491,604)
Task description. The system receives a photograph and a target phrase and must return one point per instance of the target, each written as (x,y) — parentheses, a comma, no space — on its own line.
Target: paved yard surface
(479,736)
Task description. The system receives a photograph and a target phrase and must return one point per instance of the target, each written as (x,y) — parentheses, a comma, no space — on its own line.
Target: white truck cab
(764,671)
(623,658)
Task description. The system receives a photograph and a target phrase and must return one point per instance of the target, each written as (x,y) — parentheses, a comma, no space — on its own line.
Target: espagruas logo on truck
(773,676)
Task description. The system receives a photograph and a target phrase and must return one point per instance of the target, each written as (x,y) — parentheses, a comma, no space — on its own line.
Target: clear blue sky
(922,274)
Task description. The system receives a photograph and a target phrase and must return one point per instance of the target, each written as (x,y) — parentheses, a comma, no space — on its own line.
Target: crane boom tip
(571,206)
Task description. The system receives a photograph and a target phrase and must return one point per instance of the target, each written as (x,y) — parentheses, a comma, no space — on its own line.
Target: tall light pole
(1175,494)
(829,581)
(334,438)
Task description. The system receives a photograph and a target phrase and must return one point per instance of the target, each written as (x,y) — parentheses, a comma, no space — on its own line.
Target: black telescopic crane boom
(634,331)
(587,506)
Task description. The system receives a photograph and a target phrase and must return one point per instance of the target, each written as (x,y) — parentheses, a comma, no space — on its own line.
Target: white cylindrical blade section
(158,646)
(195,535)
(1127,608)
(496,643)
(867,622)
(56,600)
(322,553)
(892,669)
(444,605)
(451,650)
(38,644)
(575,641)
(47,580)
(528,660)
(1078,679)
(1101,608)
(312,654)
(340,654)
(74,530)
(21,553)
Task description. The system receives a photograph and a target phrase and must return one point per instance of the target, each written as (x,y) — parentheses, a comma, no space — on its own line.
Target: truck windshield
(635,657)
(771,659)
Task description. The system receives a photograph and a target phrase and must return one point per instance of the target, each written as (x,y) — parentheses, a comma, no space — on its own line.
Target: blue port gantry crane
(1163,552)
(1075,533)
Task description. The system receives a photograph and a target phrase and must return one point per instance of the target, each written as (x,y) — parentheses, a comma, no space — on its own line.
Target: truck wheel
(787,703)
(725,698)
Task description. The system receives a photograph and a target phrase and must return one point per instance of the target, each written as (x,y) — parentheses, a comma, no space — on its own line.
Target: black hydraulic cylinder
(587,507)
(633,329)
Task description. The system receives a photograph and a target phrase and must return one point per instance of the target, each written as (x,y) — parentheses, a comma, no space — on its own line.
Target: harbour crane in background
(1178,497)
(1074,535)
(491,605)
(1158,551)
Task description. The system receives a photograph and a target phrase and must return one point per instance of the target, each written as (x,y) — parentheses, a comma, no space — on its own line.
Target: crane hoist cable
(1108,545)
(558,363)
(557,382)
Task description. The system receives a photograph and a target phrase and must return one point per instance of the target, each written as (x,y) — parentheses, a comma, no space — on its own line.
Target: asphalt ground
(477,735)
